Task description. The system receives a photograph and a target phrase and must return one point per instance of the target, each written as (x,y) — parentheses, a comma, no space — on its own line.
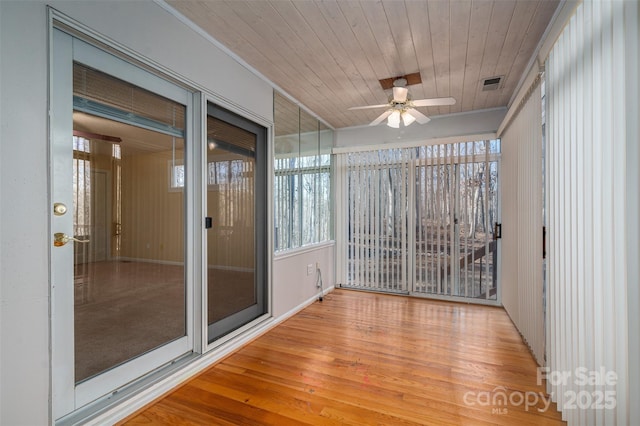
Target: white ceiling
(330,55)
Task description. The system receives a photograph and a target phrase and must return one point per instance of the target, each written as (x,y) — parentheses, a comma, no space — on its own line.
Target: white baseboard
(301,306)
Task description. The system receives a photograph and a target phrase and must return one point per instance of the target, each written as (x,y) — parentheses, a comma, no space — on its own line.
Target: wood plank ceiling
(330,55)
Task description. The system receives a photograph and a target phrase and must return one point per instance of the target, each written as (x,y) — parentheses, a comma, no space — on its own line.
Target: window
(218,172)
(176,174)
(302,184)
(81,187)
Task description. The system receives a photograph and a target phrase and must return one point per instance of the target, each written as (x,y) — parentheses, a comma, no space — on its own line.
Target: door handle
(60,239)
(497,231)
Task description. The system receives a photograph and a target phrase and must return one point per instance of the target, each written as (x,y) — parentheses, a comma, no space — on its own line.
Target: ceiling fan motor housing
(400,82)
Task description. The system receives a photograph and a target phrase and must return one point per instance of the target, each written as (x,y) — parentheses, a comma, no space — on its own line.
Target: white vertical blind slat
(619,233)
(522,194)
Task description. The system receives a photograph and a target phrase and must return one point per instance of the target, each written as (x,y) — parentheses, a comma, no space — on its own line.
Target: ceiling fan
(401,106)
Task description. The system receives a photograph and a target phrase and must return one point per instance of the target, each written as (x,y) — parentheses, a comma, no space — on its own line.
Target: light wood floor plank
(363,359)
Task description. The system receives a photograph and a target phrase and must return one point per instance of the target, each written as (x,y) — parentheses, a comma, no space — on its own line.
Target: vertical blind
(378,234)
(420,220)
(453,213)
(522,291)
(586,199)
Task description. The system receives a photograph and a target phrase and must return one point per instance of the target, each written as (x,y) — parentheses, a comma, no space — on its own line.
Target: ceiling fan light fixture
(400,94)
(394,119)
(401,107)
(407,118)
(211,144)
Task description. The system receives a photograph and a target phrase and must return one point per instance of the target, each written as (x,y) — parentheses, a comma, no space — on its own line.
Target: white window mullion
(418,209)
(464,219)
(359,200)
(485,202)
(440,218)
(451,258)
(353,209)
(433,270)
(377,232)
(472,235)
(366,221)
(404,208)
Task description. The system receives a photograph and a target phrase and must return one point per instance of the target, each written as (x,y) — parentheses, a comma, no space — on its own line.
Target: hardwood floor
(369,359)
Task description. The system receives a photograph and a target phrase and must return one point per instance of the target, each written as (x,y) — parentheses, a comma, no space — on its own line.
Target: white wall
(291,283)
(461,124)
(149,30)
(24,289)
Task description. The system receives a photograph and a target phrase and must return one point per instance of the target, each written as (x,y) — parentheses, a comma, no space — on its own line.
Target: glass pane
(309,146)
(287,179)
(129,263)
(231,254)
(323,195)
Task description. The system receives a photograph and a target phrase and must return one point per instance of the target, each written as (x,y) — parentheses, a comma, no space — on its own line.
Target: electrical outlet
(310,269)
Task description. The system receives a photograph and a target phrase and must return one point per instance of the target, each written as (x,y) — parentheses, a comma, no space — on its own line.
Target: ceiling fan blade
(434,102)
(369,106)
(420,117)
(381,118)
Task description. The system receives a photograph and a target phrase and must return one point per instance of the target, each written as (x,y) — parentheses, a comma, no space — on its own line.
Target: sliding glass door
(158,225)
(119,279)
(455,211)
(236,221)
(423,220)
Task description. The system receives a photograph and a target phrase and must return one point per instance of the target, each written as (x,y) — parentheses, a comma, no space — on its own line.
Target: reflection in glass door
(236,222)
(129,287)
